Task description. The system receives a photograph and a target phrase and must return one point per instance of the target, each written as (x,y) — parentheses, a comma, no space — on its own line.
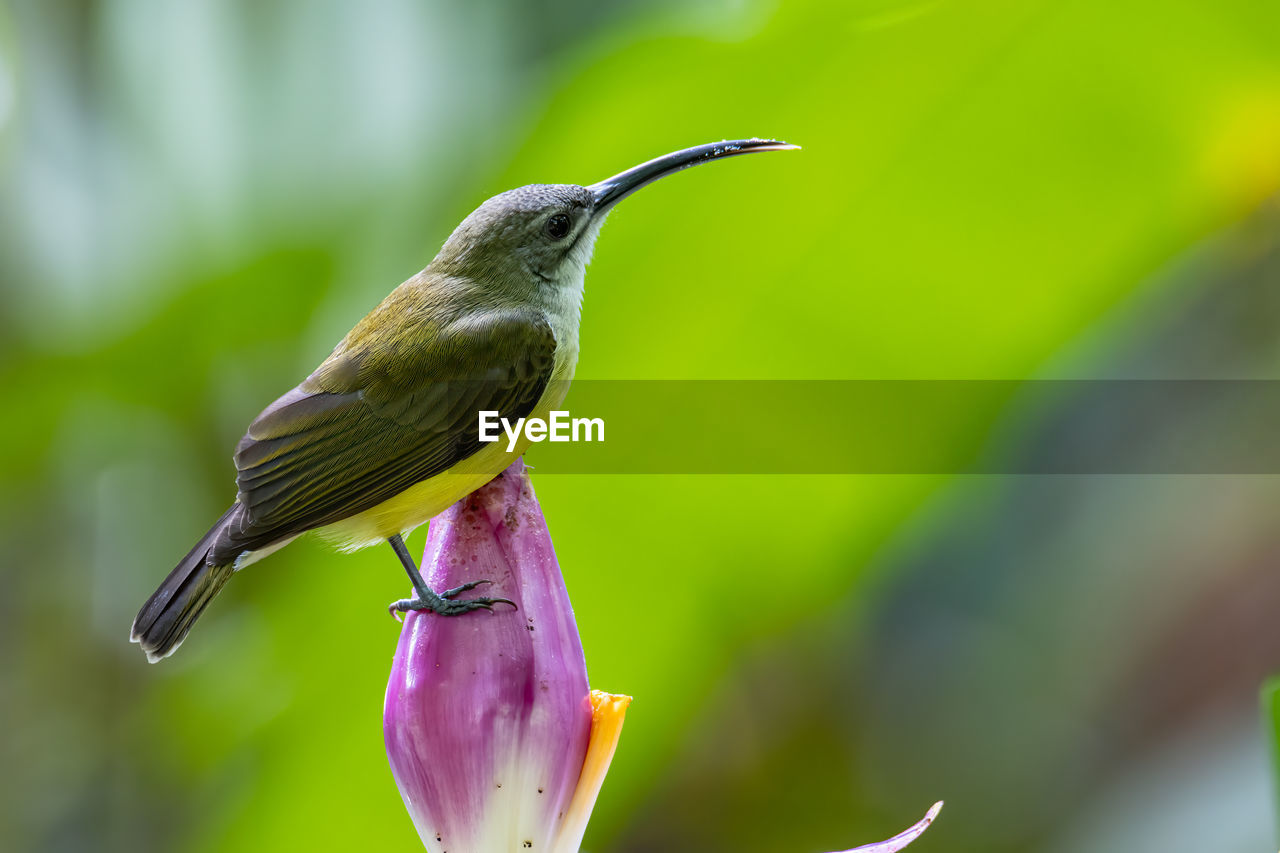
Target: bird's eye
(558,226)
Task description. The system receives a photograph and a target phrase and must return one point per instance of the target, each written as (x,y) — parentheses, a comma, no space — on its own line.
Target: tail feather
(163,622)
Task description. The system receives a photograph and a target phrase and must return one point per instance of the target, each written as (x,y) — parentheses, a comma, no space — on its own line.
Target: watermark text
(559,427)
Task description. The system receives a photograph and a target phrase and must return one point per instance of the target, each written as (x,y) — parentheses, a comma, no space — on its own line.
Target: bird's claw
(443,603)
(450,593)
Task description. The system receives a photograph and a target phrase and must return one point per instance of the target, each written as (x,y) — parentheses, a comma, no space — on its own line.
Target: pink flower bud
(488,716)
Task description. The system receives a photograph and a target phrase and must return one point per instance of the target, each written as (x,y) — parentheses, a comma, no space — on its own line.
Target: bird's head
(539,238)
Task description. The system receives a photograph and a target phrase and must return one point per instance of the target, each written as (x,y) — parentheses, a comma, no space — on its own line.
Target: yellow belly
(419,503)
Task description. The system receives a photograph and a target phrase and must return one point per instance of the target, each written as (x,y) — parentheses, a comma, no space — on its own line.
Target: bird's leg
(427,599)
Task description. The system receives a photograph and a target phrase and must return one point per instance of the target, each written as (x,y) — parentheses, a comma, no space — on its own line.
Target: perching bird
(384,434)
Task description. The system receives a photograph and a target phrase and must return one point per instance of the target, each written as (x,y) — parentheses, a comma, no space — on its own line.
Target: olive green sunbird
(383,435)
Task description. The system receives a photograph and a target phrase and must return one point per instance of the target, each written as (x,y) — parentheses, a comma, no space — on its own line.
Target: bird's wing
(369,422)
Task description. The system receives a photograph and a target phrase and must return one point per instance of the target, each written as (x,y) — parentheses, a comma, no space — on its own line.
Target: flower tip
(608,705)
(903,838)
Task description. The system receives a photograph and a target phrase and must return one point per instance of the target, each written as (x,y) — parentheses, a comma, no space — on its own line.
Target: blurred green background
(198,199)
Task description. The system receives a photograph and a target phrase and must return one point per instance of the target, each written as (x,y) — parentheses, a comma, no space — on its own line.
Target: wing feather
(368,425)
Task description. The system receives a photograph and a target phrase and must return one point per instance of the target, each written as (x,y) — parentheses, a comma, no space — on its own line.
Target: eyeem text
(560,427)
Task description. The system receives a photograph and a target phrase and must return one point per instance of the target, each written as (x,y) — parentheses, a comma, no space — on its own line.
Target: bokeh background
(197,199)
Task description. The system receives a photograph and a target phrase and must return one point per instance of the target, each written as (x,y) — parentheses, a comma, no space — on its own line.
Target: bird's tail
(163,622)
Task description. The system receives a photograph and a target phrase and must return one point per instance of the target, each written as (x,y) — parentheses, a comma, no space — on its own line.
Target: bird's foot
(443,603)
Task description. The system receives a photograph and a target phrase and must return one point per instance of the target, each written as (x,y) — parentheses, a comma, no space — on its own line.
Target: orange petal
(608,710)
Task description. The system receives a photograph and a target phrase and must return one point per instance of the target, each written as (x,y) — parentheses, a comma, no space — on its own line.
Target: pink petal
(902,839)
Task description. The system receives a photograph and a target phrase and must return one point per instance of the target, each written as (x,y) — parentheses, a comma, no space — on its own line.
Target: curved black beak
(610,191)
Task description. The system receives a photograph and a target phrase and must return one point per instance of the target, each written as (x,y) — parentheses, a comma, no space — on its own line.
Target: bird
(382,436)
